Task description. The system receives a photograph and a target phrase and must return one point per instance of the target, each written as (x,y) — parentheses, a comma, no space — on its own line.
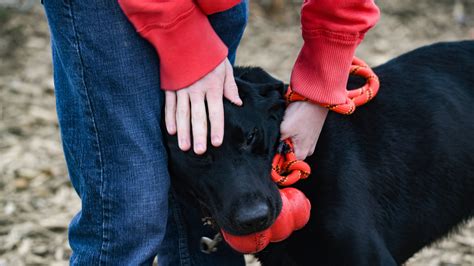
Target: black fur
(388,180)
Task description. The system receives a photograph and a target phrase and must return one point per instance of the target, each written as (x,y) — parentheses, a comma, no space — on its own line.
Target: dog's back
(398,173)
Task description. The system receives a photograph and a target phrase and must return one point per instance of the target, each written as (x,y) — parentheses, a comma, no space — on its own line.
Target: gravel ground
(36,199)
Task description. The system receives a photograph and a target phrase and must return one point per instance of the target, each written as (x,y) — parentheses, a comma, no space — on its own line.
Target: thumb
(231,91)
(284,130)
(300,153)
(284,135)
(297,144)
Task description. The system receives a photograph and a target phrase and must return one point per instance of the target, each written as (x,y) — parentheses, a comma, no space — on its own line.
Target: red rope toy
(287,170)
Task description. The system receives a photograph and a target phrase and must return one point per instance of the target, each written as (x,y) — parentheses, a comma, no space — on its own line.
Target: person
(109,82)
(331,31)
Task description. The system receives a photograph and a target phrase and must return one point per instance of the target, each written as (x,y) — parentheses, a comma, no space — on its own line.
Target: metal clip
(207,221)
(208,245)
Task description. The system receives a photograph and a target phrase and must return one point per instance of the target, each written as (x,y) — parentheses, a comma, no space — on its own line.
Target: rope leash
(286,169)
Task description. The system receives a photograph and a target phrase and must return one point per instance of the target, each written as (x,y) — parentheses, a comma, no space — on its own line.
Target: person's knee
(128,222)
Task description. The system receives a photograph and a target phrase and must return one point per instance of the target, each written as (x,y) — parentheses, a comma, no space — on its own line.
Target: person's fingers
(182,120)
(231,92)
(198,122)
(303,144)
(215,107)
(311,150)
(285,128)
(300,150)
(284,133)
(170,112)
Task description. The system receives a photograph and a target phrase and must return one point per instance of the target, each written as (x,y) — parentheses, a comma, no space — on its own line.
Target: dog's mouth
(249,223)
(294,214)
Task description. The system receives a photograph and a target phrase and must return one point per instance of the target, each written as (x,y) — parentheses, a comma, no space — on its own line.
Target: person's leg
(230,26)
(109,107)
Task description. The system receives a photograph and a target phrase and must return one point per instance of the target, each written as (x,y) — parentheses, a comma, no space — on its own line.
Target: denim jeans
(109,106)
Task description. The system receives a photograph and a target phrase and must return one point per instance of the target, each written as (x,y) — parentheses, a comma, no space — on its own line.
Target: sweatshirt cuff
(322,69)
(188,50)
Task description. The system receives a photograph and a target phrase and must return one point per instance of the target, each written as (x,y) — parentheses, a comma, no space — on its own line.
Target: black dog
(388,180)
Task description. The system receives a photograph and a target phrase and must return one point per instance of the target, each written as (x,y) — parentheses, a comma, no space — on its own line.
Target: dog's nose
(253,218)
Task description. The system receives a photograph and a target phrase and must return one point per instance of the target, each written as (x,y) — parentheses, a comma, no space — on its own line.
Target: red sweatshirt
(189,48)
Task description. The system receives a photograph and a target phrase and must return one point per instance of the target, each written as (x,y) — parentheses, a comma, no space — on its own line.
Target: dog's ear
(264,81)
(261,88)
(239,71)
(254,75)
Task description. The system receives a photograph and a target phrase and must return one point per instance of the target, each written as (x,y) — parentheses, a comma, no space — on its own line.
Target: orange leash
(286,169)
(355,97)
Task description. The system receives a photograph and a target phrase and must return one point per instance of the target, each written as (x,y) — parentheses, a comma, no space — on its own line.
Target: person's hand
(185,109)
(302,123)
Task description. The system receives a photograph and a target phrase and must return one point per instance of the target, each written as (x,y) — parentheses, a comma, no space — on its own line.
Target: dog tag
(208,245)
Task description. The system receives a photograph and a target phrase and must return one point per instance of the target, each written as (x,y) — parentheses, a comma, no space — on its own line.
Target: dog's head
(233,181)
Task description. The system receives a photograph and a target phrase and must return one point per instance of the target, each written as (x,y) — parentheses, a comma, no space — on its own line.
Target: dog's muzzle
(296,208)
(294,215)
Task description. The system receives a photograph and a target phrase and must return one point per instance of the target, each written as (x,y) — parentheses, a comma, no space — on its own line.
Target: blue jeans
(109,106)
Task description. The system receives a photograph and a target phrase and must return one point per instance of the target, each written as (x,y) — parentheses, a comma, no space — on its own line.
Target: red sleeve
(332,30)
(214,6)
(179,30)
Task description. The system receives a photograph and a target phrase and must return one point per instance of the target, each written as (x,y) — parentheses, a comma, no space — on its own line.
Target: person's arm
(193,65)
(332,29)
(179,30)
(214,6)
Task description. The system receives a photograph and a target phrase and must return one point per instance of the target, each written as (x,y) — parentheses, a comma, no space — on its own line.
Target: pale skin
(186,114)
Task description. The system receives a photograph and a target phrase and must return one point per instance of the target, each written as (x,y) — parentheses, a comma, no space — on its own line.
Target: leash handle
(286,169)
(355,97)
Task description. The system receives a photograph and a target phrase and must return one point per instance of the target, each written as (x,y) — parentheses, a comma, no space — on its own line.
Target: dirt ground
(36,199)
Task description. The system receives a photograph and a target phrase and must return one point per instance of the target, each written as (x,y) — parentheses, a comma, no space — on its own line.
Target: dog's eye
(252,136)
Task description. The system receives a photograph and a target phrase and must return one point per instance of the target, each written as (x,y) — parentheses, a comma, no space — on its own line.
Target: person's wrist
(319,111)
(315,109)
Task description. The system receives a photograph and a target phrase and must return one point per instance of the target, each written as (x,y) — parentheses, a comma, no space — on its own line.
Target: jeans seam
(104,245)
